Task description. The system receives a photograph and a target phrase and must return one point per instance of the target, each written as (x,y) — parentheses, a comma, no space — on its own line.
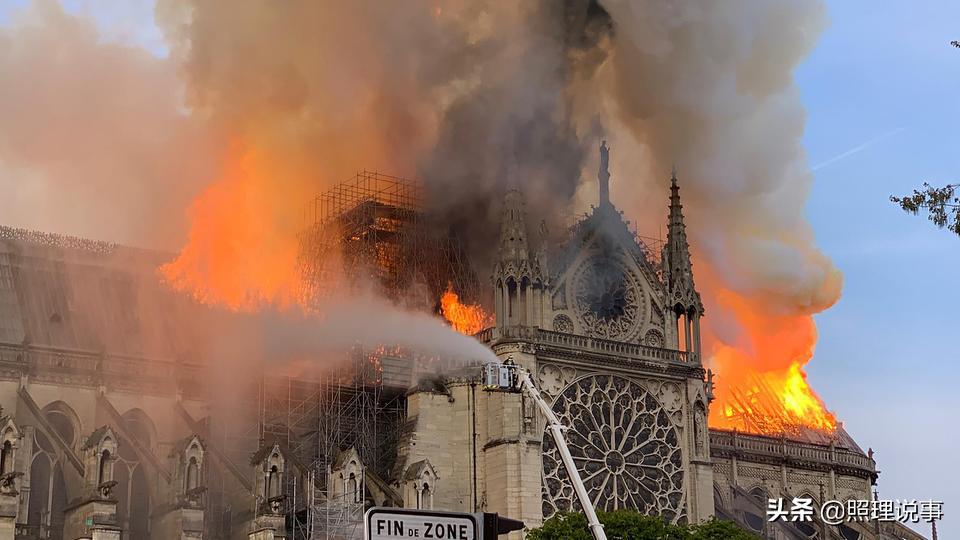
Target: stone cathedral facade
(611,336)
(107,432)
(613,340)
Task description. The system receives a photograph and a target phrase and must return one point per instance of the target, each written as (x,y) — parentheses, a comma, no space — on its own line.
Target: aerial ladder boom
(519,379)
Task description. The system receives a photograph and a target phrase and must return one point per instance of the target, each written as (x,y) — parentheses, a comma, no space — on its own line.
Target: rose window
(624,445)
(607,299)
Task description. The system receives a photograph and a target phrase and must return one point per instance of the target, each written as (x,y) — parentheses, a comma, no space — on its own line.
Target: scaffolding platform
(372,231)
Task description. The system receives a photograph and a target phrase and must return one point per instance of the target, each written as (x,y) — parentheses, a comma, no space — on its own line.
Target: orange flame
(761,383)
(464,318)
(242,249)
(242,253)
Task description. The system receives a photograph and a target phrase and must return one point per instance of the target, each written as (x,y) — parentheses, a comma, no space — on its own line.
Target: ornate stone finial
(604,157)
(604,174)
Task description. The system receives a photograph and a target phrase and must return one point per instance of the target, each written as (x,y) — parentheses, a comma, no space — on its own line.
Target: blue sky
(126,21)
(888,361)
(881,90)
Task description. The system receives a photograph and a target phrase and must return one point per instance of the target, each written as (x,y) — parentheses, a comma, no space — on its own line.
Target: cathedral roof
(840,438)
(85,295)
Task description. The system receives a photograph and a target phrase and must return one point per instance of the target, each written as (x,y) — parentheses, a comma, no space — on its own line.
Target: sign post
(405,524)
(381,523)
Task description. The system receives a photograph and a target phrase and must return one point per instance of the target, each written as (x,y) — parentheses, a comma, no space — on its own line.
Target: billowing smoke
(365,321)
(93,138)
(470,98)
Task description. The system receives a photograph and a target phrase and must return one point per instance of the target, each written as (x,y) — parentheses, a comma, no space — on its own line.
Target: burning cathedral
(108,431)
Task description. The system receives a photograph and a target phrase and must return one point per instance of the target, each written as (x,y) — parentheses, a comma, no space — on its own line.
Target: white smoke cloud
(94,140)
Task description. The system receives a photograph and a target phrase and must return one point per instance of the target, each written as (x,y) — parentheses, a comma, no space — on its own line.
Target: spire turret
(677,266)
(682,293)
(519,281)
(513,229)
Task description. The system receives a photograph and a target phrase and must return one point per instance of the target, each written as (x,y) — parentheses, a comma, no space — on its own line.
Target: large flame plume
(464,318)
(762,386)
(470,98)
(242,250)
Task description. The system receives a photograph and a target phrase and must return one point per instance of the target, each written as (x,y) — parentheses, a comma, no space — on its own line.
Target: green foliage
(631,525)
(716,529)
(572,525)
(942,205)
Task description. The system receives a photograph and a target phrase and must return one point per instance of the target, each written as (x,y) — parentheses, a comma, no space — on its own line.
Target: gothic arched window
(140,426)
(193,474)
(40,478)
(133,490)
(139,517)
(273,483)
(351,488)
(48,496)
(426,497)
(64,421)
(104,474)
(6,458)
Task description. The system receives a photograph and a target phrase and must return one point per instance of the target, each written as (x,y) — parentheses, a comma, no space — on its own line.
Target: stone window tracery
(562,323)
(608,300)
(625,445)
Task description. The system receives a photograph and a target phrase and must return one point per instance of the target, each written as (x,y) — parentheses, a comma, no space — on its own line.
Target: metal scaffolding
(367,231)
(371,230)
(357,401)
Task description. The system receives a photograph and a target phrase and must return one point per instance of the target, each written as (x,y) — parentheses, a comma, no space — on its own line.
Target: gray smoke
(474,97)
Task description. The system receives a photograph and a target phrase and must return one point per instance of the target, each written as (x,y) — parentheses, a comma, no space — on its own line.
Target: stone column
(530,321)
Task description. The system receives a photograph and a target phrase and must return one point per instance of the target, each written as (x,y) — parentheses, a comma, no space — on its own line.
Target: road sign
(406,524)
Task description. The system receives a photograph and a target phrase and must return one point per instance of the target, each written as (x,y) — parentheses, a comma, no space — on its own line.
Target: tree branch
(942,205)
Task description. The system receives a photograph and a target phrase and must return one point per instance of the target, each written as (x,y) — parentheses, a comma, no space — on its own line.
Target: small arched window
(351,488)
(273,482)
(6,458)
(193,474)
(104,474)
(426,497)
(63,420)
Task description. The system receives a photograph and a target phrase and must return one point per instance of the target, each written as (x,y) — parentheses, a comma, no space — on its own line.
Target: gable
(606,285)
